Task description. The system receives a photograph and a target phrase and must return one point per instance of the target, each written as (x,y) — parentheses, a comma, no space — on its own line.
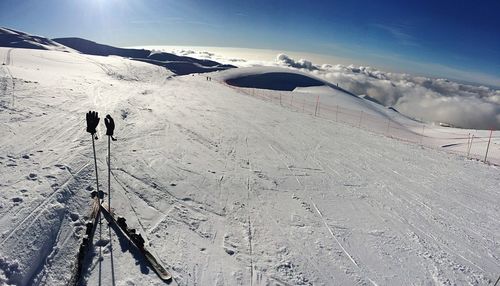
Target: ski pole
(92,122)
(109,174)
(95,164)
(497,281)
(110,127)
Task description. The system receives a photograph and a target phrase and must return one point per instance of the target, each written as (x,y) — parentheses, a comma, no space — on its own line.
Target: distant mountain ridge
(180,65)
(15,39)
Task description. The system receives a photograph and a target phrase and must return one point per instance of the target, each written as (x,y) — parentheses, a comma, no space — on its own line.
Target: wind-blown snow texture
(227,189)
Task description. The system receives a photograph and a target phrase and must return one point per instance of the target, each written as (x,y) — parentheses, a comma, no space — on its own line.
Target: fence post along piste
(422,137)
(488,146)
(469,141)
(317,105)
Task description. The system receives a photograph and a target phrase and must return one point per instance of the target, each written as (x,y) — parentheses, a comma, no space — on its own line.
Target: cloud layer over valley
(429,99)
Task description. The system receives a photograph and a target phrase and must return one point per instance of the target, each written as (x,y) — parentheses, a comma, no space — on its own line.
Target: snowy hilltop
(16,39)
(180,65)
(233,176)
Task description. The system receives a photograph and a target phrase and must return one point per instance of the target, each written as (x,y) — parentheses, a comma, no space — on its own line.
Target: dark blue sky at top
(433,37)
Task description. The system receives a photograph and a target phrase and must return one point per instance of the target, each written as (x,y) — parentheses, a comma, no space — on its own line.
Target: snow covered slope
(303,92)
(15,39)
(226,188)
(301,86)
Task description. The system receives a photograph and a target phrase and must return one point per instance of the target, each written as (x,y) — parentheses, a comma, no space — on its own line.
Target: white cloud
(300,64)
(429,99)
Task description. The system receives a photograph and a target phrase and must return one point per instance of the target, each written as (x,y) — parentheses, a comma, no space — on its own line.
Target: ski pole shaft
(95,163)
(109,174)
(498,280)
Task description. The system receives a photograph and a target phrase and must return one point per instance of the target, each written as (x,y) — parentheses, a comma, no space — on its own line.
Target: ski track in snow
(37,211)
(227,189)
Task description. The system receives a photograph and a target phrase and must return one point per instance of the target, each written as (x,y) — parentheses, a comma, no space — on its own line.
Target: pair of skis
(98,206)
(138,241)
(86,244)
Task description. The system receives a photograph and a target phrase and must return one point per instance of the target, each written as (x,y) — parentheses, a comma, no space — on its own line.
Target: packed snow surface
(226,188)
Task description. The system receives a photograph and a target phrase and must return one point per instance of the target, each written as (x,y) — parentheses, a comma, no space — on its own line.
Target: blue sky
(455,39)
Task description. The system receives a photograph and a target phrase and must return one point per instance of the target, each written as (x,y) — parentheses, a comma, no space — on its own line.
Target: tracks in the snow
(322,218)
(277,224)
(40,207)
(159,192)
(421,213)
